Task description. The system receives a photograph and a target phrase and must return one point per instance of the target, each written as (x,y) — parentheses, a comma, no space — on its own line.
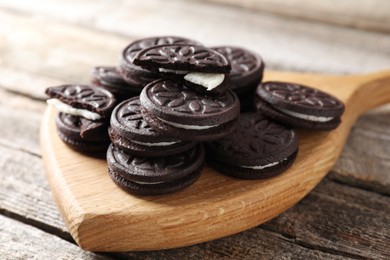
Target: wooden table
(44,43)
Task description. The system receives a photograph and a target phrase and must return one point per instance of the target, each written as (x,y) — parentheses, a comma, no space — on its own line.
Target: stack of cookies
(179,104)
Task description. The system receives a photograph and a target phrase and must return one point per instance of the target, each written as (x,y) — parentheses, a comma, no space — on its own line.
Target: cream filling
(155,144)
(306,117)
(172,71)
(260,167)
(65,108)
(207,80)
(189,127)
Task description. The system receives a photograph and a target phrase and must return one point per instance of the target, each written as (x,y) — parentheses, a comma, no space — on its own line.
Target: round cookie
(137,76)
(157,175)
(69,131)
(109,78)
(299,106)
(246,74)
(199,67)
(258,148)
(130,132)
(82,100)
(173,108)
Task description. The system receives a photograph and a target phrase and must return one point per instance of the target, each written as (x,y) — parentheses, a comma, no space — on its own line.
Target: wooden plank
(24,190)
(353,221)
(365,161)
(285,44)
(17,133)
(361,14)
(20,241)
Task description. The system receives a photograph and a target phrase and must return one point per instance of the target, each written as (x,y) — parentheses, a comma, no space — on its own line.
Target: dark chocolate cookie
(299,106)
(95,100)
(182,57)
(177,110)
(69,130)
(258,148)
(246,74)
(154,176)
(130,132)
(135,75)
(109,78)
(247,68)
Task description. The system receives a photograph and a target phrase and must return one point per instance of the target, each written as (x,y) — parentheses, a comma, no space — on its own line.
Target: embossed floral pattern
(83,94)
(137,46)
(182,100)
(175,54)
(256,135)
(129,115)
(240,60)
(301,95)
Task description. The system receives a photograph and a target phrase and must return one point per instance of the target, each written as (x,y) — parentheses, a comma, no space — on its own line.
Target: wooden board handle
(372,90)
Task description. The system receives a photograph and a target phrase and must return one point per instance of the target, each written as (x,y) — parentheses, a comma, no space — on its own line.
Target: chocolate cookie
(173,108)
(202,68)
(136,76)
(82,100)
(154,176)
(246,74)
(109,78)
(130,132)
(299,106)
(83,119)
(93,140)
(258,148)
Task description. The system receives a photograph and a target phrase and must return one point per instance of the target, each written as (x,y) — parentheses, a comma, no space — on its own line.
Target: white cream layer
(260,167)
(172,71)
(189,127)
(306,117)
(207,80)
(65,108)
(154,144)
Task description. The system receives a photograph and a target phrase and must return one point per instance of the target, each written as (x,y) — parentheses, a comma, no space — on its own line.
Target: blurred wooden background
(44,43)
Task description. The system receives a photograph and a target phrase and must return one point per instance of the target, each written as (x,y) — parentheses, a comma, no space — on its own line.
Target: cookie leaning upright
(246,74)
(84,112)
(199,67)
(175,109)
(109,78)
(299,106)
(258,148)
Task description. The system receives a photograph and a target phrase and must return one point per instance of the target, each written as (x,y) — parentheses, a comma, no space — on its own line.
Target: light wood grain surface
(45,43)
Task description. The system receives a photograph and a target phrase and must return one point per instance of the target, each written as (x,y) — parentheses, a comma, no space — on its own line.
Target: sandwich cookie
(246,74)
(176,110)
(130,132)
(136,76)
(299,106)
(258,148)
(84,113)
(81,134)
(154,175)
(199,67)
(109,78)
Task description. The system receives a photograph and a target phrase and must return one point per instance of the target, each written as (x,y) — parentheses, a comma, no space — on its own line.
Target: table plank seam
(292,239)
(37,224)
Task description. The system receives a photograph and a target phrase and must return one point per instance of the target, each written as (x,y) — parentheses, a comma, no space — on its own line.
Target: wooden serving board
(101,217)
